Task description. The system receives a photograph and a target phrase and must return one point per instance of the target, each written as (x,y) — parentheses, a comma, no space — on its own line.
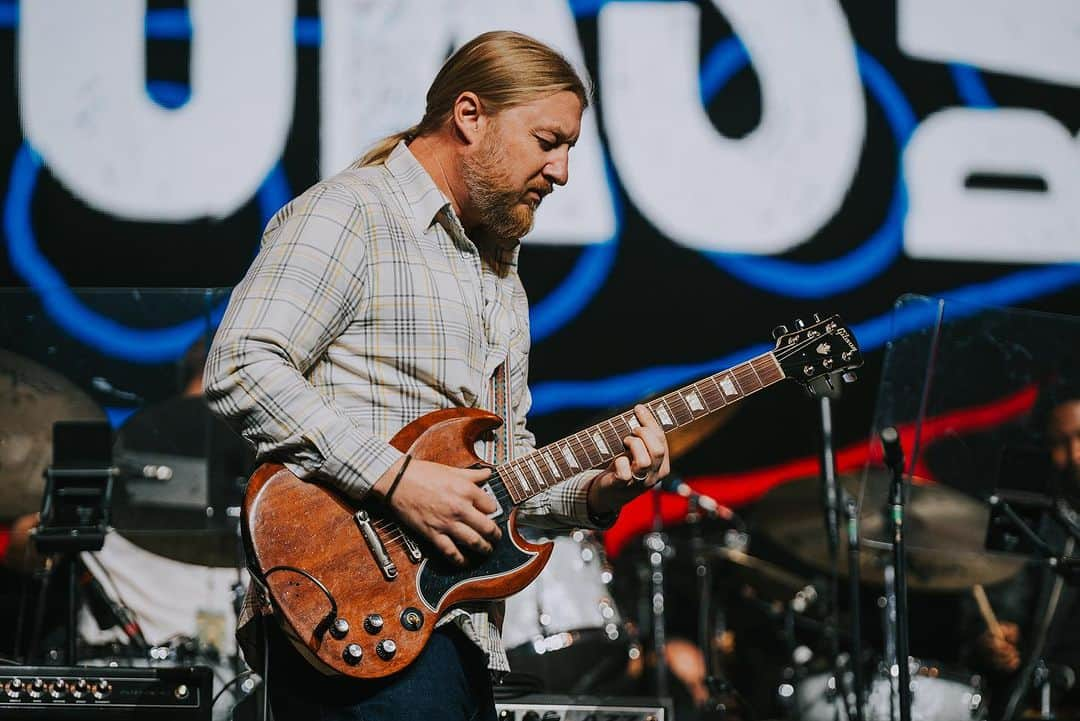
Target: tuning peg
(850,377)
(799,325)
(778,331)
(817,317)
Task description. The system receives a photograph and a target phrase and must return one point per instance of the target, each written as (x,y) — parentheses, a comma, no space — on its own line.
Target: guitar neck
(596,446)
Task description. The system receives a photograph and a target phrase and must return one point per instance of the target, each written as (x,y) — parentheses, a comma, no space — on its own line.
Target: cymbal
(32,398)
(766,578)
(181,515)
(945,532)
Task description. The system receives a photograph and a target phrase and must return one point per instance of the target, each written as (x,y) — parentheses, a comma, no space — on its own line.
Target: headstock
(820,349)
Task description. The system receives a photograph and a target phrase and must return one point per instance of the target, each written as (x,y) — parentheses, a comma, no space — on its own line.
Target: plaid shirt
(367,307)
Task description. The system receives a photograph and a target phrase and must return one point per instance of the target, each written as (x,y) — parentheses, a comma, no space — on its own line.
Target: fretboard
(597,445)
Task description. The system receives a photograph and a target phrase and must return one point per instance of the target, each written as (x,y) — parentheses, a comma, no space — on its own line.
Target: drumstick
(987,611)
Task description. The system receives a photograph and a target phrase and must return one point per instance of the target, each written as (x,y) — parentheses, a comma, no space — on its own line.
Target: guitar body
(299,532)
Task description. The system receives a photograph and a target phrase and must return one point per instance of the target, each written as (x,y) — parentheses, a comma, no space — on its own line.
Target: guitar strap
(500,397)
(502,448)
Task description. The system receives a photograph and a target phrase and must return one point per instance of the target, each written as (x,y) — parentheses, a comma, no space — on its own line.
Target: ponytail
(380,151)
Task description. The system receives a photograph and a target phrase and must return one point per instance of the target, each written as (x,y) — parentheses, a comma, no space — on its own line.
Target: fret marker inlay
(534,469)
(521,477)
(600,445)
(728,386)
(665,417)
(570,459)
(694,402)
(633,422)
(551,464)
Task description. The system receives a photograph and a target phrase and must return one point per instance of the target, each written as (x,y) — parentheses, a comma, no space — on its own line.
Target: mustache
(544,189)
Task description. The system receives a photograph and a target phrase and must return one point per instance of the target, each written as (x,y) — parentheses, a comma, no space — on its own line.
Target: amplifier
(538,707)
(105,693)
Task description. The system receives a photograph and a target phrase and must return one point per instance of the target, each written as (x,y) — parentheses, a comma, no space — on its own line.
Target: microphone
(107,612)
(894,453)
(673,483)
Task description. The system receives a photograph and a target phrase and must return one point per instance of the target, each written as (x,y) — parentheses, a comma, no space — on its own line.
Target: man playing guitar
(389,291)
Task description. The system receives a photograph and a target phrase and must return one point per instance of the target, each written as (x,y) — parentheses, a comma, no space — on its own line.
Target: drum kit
(587,625)
(584,626)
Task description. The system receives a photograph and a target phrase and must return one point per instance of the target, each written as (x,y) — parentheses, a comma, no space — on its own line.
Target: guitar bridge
(375,545)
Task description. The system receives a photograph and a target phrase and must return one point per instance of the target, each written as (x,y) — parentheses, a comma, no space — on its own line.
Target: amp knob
(80,689)
(14,689)
(102,689)
(58,689)
(37,688)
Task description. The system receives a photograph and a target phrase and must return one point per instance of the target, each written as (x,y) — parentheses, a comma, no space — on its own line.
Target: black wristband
(397,479)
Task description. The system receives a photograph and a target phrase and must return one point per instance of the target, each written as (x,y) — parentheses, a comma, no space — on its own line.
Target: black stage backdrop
(744,164)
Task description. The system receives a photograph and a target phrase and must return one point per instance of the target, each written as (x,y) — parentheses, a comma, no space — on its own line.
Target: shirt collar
(426,202)
(424,197)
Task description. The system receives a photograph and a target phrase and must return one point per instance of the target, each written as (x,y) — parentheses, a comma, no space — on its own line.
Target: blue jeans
(448,681)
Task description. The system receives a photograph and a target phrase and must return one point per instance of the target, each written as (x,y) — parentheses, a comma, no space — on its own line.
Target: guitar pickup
(375,545)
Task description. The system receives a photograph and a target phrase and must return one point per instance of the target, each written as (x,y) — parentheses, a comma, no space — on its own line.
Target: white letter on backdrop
(84,106)
(1033,39)
(767,192)
(947,220)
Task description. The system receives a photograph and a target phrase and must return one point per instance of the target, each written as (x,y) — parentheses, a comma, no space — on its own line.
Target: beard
(499,210)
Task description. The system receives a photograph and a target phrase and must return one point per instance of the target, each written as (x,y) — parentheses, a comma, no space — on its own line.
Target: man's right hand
(443,504)
(1001,652)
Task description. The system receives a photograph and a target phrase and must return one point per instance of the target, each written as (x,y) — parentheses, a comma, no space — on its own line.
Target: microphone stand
(825,390)
(894,459)
(854,581)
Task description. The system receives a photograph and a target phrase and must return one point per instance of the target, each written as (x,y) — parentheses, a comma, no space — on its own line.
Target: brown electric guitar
(363,595)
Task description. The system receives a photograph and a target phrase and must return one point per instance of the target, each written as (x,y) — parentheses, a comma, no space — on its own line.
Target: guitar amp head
(90,693)
(541,707)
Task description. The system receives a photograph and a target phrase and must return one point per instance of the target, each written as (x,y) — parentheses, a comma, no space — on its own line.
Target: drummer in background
(1022,603)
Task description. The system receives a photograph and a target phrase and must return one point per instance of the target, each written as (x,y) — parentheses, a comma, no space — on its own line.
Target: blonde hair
(503,68)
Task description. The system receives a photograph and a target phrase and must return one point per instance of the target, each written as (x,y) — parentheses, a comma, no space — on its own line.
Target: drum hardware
(564,632)
(894,459)
(937,695)
(657,550)
(786,515)
(1014,517)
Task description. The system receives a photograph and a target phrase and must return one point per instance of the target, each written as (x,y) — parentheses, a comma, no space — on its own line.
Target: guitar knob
(778,331)
(340,628)
(373,623)
(386,649)
(353,654)
(799,324)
